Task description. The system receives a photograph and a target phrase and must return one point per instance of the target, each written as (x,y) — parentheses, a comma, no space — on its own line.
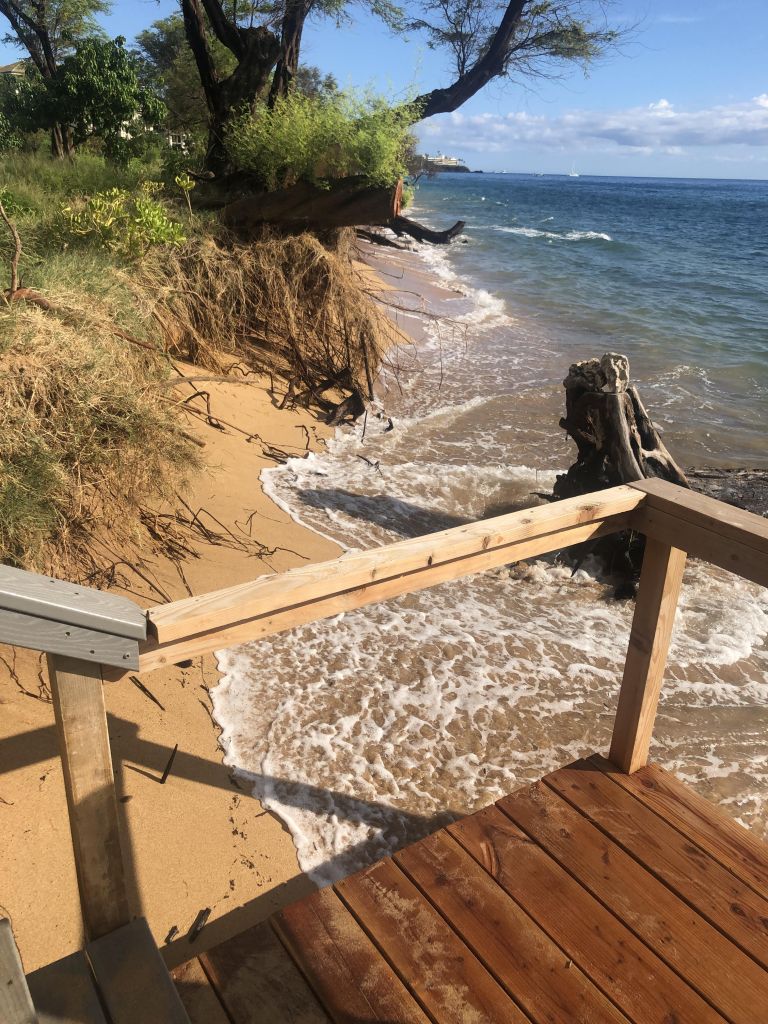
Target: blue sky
(687,97)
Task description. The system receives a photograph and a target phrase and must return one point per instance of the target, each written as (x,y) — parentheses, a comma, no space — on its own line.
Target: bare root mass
(291,306)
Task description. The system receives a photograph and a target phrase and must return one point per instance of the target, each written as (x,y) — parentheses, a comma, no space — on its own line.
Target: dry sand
(200,840)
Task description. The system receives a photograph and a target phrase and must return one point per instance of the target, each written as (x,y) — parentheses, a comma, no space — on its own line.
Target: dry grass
(290,306)
(93,452)
(88,436)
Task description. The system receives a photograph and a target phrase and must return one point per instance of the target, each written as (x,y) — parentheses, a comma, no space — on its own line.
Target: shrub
(316,138)
(9,138)
(125,223)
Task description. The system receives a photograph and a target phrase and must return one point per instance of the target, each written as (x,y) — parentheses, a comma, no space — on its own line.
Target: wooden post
(649,637)
(81,719)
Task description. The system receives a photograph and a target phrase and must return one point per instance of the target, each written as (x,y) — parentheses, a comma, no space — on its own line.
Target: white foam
(358,730)
(569,236)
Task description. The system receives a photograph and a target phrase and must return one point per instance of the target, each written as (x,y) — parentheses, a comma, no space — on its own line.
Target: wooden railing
(675,521)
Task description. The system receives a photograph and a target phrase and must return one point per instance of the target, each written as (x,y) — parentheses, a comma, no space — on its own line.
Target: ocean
(365,731)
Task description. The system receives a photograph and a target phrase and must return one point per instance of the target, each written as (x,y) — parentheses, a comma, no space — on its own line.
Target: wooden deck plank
(631,975)
(678,934)
(15,1002)
(535,972)
(197,994)
(444,975)
(133,980)
(257,981)
(706,824)
(685,868)
(348,974)
(64,992)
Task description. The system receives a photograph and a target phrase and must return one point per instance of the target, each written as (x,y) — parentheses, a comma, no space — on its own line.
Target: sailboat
(573,173)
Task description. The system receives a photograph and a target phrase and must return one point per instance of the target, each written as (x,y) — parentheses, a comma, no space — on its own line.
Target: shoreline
(201,840)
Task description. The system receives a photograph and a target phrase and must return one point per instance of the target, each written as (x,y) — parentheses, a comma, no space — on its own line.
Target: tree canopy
(48,29)
(483,40)
(95,93)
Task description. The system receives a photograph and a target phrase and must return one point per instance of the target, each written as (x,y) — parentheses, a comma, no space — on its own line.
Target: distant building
(441,162)
(177,140)
(445,163)
(17,70)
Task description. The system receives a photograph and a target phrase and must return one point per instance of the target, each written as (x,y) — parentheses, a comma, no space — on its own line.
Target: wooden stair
(118,979)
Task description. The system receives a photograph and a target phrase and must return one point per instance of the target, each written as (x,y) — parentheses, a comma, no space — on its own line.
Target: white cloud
(658,127)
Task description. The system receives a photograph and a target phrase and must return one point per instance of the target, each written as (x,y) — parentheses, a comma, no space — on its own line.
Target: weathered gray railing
(91,636)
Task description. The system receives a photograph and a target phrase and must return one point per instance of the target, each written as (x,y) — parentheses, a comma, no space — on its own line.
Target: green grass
(89,437)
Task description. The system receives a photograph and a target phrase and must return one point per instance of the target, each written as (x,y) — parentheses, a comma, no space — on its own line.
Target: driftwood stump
(614,435)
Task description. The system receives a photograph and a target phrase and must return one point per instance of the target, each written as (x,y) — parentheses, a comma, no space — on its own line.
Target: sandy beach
(200,840)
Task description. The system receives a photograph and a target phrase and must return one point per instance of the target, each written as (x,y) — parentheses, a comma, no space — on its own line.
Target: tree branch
(492,64)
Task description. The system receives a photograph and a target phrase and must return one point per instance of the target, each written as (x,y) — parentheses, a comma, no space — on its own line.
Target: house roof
(17,68)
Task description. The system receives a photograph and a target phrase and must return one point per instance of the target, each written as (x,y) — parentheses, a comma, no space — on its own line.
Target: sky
(685,96)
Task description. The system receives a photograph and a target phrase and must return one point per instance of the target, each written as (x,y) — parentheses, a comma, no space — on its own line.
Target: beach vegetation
(89,438)
(320,137)
(126,223)
(112,291)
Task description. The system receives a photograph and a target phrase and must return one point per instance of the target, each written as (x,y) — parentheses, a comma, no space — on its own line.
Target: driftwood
(404,226)
(614,435)
(378,239)
(345,203)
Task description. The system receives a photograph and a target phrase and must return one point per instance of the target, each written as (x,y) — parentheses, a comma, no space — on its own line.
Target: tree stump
(616,440)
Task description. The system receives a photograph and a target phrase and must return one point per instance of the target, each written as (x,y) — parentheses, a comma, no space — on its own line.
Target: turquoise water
(674,273)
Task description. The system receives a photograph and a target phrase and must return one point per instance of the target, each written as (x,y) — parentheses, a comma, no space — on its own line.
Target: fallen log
(404,226)
(344,203)
(615,438)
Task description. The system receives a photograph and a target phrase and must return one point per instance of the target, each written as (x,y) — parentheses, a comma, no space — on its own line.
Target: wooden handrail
(704,527)
(270,604)
(674,520)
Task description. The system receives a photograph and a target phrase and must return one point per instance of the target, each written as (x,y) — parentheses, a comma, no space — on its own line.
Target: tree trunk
(61,142)
(290,46)
(346,203)
(616,440)
(256,50)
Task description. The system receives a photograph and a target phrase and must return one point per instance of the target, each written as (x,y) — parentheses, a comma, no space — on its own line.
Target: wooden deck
(592,896)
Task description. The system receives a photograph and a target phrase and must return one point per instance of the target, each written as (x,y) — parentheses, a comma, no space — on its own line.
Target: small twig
(169,765)
(147,692)
(374,465)
(16,254)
